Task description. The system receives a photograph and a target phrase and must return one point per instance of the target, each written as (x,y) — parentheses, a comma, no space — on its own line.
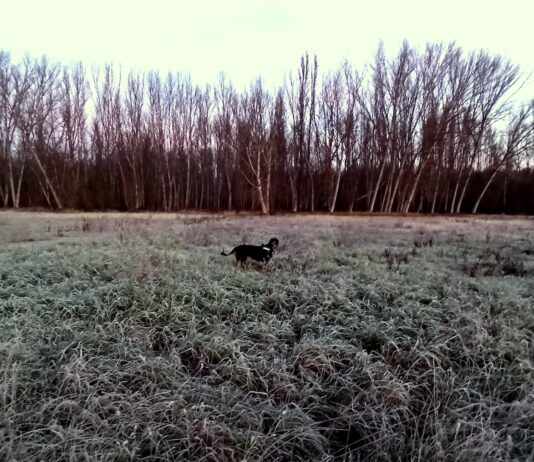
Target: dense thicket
(430,131)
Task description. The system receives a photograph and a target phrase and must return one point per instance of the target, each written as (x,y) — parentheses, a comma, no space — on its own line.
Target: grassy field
(129,337)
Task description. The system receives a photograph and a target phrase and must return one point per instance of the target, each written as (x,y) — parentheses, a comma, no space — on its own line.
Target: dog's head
(273,243)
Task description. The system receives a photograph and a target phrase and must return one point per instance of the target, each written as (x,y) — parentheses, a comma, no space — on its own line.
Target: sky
(250,38)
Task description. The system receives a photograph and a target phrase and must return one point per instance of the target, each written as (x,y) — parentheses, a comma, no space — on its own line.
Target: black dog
(262,253)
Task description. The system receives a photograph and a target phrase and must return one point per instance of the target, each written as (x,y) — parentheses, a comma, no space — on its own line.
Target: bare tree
(280,154)
(15,85)
(40,130)
(493,78)
(302,103)
(73,94)
(225,132)
(252,138)
(133,137)
(336,124)
(517,144)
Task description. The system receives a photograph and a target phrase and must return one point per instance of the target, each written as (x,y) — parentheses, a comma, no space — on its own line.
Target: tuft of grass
(495,261)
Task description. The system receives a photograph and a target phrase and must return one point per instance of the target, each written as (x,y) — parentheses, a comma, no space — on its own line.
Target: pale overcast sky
(249,38)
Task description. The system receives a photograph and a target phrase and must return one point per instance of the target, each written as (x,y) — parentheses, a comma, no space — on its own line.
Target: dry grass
(128,337)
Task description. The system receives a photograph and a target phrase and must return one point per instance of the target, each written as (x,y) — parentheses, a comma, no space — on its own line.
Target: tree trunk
(263,205)
(408,202)
(229,185)
(435,196)
(377,187)
(124,187)
(15,186)
(312,191)
(395,191)
(259,187)
(57,200)
(481,195)
(16,196)
(504,191)
(455,193)
(268,187)
(336,190)
(4,195)
(165,198)
(294,204)
(188,181)
(464,189)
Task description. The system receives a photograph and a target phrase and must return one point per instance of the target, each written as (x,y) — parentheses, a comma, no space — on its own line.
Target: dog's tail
(229,253)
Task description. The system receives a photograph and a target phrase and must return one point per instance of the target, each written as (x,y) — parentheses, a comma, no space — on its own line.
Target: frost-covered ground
(129,337)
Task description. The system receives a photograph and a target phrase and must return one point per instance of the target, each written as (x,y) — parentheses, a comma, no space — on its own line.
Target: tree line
(432,131)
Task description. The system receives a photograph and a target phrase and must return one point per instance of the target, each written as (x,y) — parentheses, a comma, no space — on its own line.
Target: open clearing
(129,337)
